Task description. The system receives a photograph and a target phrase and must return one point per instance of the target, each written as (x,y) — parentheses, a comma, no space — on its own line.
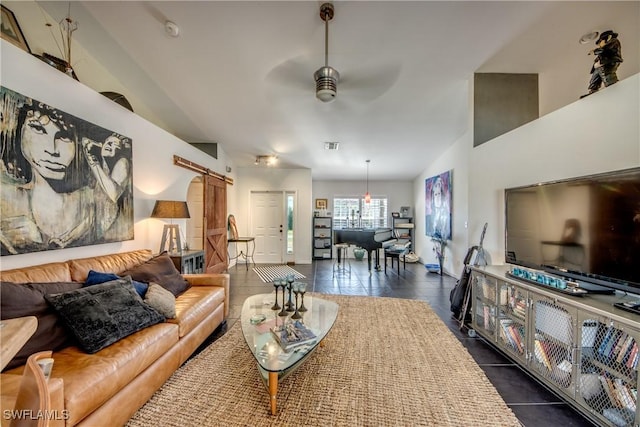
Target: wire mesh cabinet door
(484,306)
(553,343)
(607,381)
(512,320)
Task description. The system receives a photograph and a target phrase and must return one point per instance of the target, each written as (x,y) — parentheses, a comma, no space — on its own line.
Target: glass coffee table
(273,362)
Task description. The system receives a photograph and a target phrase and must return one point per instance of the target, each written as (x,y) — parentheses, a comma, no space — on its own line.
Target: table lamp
(170,209)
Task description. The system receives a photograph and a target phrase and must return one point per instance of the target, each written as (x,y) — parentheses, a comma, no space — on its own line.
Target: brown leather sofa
(106,388)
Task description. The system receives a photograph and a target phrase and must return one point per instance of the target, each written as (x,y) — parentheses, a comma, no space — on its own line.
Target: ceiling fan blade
(369,84)
(296,73)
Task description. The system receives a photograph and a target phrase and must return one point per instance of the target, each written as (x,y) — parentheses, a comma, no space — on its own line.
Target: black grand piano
(370,239)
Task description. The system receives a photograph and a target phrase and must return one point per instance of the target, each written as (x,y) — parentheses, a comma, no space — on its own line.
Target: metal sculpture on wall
(438,192)
(64,182)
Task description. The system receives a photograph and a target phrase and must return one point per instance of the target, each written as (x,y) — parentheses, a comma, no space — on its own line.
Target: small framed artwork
(11,31)
(321,203)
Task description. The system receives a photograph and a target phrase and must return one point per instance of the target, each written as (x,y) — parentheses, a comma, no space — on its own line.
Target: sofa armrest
(221,280)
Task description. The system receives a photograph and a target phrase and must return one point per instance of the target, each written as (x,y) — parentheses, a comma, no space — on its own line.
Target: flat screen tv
(586,229)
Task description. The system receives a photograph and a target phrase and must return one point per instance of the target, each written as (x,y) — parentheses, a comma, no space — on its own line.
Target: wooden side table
(14,333)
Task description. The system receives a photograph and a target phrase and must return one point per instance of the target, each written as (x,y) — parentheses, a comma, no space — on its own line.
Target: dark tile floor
(533,404)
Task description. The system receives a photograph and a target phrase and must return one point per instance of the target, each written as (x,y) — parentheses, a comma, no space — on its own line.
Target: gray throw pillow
(101,315)
(162,300)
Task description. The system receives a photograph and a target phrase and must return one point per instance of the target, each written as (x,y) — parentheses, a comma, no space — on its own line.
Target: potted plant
(439,247)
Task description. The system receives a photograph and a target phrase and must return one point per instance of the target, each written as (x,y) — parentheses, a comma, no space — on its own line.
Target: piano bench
(395,254)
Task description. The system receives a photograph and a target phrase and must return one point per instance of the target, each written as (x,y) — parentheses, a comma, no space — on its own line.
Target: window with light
(353,212)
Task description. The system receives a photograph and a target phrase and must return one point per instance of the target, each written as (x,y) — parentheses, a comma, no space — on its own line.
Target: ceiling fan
(365,81)
(326,77)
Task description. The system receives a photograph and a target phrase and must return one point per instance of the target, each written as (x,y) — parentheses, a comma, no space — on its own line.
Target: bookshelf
(322,237)
(581,348)
(403,231)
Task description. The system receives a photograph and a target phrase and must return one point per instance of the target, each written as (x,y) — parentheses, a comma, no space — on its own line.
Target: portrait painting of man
(64,182)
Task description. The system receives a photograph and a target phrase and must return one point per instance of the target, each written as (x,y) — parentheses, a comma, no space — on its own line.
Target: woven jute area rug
(385,362)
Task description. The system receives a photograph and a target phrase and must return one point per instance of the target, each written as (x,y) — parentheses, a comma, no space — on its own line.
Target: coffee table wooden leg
(273,390)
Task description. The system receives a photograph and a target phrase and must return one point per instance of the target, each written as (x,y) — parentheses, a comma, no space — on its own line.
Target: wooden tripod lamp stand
(170,209)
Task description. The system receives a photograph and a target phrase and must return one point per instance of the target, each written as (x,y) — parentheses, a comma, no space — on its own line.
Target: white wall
(154,175)
(456,160)
(596,134)
(271,179)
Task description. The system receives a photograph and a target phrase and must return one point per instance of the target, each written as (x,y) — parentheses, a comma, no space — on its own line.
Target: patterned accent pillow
(103,314)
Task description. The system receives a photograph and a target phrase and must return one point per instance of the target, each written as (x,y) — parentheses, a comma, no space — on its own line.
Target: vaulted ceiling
(240,73)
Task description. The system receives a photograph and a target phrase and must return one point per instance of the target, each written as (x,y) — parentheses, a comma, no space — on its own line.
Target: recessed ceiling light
(588,37)
(331,145)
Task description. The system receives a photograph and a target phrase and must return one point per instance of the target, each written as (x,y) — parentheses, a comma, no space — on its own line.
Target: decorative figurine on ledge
(608,57)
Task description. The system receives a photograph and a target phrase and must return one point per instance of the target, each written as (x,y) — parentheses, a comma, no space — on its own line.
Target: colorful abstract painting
(64,182)
(438,194)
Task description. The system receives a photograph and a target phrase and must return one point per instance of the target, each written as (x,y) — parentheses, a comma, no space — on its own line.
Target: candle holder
(302,288)
(290,307)
(296,290)
(283,312)
(276,285)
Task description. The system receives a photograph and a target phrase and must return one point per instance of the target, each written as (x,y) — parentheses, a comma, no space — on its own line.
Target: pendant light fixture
(367,196)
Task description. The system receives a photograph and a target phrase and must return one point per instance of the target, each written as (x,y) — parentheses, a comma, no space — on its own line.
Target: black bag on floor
(456,297)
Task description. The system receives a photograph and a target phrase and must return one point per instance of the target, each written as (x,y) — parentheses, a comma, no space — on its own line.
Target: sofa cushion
(193,306)
(52,272)
(162,300)
(113,263)
(102,314)
(90,380)
(19,300)
(161,270)
(96,278)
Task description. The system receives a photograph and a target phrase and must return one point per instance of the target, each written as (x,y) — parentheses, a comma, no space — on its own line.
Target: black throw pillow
(101,315)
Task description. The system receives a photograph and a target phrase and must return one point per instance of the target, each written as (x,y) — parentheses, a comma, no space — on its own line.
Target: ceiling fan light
(326,83)
(326,95)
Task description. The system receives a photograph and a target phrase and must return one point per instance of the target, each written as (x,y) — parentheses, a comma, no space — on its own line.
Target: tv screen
(585,228)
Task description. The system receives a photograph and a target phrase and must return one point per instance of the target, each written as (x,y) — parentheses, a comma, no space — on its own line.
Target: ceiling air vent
(331,145)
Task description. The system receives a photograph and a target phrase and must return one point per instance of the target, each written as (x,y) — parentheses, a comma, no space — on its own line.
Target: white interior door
(268,226)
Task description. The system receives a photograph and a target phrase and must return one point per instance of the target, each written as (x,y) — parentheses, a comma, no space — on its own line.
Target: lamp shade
(170,209)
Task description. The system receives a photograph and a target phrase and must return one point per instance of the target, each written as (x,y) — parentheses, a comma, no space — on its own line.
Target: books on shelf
(404,225)
(541,355)
(623,395)
(620,347)
(293,335)
(512,334)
